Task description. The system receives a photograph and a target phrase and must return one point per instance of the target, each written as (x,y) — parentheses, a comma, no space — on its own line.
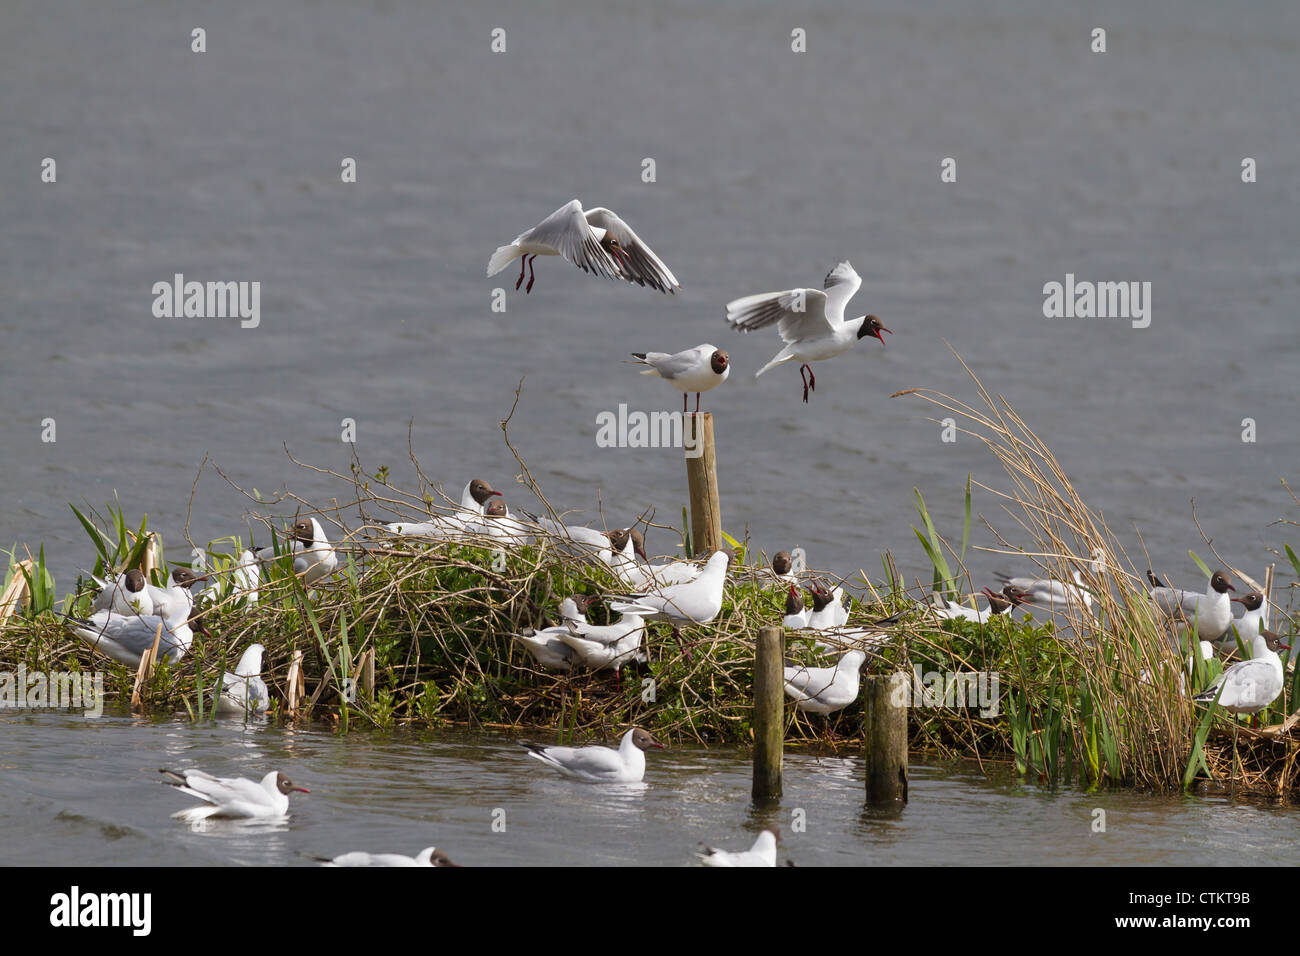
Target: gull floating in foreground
(762,853)
(1212,611)
(1250,686)
(824,690)
(595,241)
(693,370)
(599,764)
(243,691)
(811,321)
(313,555)
(233,797)
(429,856)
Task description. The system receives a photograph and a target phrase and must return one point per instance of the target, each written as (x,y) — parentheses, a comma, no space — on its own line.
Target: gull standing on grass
(762,853)
(599,764)
(810,321)
(693,370)
(125,637)
(313,555)
(233,797)
(1250,686)
(1212,611)
(824,690)
(595,241)
(243,691)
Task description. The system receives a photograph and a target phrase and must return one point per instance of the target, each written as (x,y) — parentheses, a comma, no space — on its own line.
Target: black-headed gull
(1246,626)
(1250,686)
(125,593)
(1212,611)
(606,646)
(1052,593)
(642,576)
(243,691)
(313,555)
(693,370)
(177,598)
(694,602)
(125,637)
(796,615)
(546,647)
(595,241)
(947,610)
(599,764)
(240,582)
(233,797)
(429,856)
(762,853)
(828,607)
(824,690)
(811,321)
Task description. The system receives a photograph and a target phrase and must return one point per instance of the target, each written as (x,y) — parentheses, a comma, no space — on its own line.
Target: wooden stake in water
(768,722)
(13,595)
(884,731)
(296,686)
(702,483)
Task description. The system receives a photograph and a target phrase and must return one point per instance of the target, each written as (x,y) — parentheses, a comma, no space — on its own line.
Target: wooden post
(145,670)
(149,559)
(884,732)
(768,721)
(702,483)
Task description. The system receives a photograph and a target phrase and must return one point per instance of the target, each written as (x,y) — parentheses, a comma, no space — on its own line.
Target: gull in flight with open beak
(693,370)
(595,241)
(811,321)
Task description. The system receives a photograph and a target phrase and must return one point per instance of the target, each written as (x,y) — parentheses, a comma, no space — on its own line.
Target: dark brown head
(619,537)
(1016,596)
(998,603)
(584,601)
(285,785)
(184,577)
(719,362)
(1252,601)
(303,531)
(1221,582)
(1275,641)
(134,580)
(438,858)
(481,491)
(871,326)
(496,509)
(793,601)
(821,596)
(782,562)
(644,740)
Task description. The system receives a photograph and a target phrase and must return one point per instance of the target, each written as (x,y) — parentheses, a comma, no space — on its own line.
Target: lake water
(88,792)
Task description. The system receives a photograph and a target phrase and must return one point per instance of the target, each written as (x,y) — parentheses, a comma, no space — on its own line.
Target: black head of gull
(1221,582)
(871,326)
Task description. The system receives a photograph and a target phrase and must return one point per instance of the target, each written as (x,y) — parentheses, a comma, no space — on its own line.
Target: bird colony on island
(130,613)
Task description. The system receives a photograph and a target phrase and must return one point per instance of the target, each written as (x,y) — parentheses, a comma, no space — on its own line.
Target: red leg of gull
(812,379)
(684,645)
(531,276)
(697,402)
(523,264)
(683,403)
(804,379)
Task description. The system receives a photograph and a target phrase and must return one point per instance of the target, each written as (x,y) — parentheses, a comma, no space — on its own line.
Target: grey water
(770,167)
(484,801)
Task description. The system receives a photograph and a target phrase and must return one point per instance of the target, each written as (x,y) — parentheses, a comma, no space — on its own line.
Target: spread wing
(799,313)
(641,266)
(841,284)
(567,232)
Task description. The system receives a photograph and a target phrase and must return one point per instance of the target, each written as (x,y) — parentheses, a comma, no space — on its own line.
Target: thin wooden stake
(145,670)
(768,720)
(702,483)
(884,730)
(296,688)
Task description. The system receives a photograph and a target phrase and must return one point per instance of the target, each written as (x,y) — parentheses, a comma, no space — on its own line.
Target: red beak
(879,336)
(300,789)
